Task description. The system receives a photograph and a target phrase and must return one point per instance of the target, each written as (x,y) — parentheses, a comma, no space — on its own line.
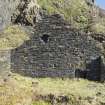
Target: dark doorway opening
(81,73)
(45,38)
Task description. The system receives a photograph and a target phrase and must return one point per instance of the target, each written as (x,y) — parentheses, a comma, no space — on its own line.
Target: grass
(12,37)
(79,14)
(41,103)
(99,27)
(84,89)
(73,11)
(12,94)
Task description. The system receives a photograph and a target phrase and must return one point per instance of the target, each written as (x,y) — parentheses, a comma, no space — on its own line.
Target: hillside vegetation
(77,13)
(12,37)
(19,90)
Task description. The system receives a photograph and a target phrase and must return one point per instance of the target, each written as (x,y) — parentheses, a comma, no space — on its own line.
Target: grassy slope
(73,11)
(76,12)
(12,37)
(19,89)
(99,27)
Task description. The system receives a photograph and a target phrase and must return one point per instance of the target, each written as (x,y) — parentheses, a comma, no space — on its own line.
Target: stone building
(58,50)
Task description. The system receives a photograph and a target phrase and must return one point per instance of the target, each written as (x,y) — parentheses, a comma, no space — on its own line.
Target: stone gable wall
(57,50)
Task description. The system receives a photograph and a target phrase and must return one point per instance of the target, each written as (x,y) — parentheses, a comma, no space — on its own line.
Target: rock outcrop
(27,13)
(18,11)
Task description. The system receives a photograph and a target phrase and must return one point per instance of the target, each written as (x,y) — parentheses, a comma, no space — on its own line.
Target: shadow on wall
(93,70)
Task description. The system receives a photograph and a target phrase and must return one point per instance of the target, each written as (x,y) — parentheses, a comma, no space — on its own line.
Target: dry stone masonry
(58,50)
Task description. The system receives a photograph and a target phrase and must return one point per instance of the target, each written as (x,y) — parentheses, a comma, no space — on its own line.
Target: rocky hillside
(65,32)
(83,15)
(70,19)
(28,12)
(80,14)
(26,15)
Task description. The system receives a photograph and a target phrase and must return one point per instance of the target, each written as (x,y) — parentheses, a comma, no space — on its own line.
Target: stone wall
(102,74)
(56,49)
(47,73)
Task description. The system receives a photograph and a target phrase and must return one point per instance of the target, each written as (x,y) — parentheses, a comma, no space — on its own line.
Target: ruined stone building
(58,50)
